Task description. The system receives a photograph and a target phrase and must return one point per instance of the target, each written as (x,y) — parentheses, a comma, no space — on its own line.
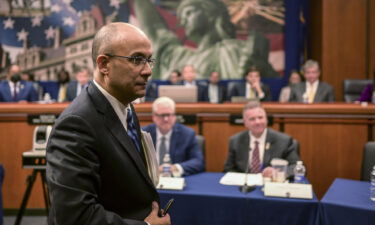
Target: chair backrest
(296,146)
(353,88)
(200,140)
(368,160)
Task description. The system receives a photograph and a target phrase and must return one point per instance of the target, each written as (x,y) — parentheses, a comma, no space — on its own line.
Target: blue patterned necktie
(132,131)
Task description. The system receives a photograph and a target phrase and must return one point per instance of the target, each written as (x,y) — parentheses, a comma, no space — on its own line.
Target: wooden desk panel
(331,138)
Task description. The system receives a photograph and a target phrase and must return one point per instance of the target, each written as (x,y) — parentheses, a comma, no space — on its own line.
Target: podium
(35,160)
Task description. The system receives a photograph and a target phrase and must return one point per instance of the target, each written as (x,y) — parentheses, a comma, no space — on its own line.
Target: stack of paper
(238,179)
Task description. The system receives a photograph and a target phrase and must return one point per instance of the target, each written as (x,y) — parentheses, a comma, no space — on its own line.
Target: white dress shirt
(167,136)
(213,93)
(262,145)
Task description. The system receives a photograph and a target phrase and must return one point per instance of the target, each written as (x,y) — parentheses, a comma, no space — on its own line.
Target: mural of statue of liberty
(207,23)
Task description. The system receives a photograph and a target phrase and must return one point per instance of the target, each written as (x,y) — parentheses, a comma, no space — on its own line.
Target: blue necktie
(132,131)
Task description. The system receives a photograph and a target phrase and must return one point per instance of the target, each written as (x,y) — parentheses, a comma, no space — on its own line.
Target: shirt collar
(159,135)
(261,139)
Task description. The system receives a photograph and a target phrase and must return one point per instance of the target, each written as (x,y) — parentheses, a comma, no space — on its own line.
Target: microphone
(246,188)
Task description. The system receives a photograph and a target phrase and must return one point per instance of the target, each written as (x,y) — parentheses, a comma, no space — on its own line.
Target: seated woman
(294,78)
(367,93)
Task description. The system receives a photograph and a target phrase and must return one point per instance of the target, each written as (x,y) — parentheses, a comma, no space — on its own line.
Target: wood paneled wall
(341,38)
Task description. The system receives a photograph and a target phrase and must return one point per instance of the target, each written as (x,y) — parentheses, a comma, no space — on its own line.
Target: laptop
(179,93)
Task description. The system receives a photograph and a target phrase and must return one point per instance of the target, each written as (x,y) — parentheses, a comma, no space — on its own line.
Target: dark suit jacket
(183,148)
(324,93)
(27,92)
(281,146)
(95,174)
(71,90)
(222,93)
(239,89)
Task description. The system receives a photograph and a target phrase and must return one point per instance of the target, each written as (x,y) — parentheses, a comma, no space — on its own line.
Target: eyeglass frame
(168,115)
(132,59)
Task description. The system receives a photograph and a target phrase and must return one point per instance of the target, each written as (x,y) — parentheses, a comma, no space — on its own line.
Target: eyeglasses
(136,60)
(164,115)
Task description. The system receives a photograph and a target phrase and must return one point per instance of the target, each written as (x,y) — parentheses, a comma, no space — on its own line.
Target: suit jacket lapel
(267,152)
(114,125)
(318,91)
(244,154)
(6,91)
(173,142)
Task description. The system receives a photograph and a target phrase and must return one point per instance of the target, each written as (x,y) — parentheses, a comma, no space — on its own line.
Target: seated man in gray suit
(253,149)
(312,90)
(174,138)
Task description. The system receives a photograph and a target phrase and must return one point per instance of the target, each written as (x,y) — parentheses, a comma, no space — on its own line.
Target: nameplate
(187,119)
(42,119)
(236,119)
(288,190)
(171,183)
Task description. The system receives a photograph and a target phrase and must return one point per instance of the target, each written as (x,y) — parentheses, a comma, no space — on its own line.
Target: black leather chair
(368,160)
(201,143)
(353,88)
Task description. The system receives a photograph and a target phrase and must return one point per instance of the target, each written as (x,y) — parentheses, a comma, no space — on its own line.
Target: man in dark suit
(215,92)
(174,139)
(312,90)
(252,150)
(82,81)
(97,171)
(13,89)
(251,87)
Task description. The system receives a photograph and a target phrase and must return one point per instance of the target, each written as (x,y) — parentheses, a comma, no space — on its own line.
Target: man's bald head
(105,40)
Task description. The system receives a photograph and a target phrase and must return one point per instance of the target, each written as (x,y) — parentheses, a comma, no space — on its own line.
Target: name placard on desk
(288,190)
(41,119)
(171,183)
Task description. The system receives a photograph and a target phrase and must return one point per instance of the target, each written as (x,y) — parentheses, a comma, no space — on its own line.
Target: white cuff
(179,172)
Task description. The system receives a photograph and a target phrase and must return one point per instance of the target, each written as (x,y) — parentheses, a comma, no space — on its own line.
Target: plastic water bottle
(372,185)
(166,166)
(299,172)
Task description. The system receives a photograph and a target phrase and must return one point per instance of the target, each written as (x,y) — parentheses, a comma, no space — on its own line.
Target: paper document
(150,155)
(288,190)
(171,183)
(238,179)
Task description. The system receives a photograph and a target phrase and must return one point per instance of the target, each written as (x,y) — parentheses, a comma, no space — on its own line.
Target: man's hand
(267,172)
(154,219)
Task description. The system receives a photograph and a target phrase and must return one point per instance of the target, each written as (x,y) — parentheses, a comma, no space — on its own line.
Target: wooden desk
(331,136)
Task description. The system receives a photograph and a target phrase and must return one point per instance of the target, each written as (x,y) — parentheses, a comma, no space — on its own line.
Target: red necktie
(15,92)
(255,160)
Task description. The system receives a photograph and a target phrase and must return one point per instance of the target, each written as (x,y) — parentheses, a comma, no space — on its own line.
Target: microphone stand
(246,188)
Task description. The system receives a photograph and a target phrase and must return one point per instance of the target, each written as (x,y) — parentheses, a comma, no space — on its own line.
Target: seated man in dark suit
(81,82)
(312,90)
(253,149)
(216,93)
(251,87)
(174,138)
(13,89)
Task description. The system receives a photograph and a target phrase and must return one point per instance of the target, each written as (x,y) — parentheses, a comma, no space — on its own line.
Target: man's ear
(102,61)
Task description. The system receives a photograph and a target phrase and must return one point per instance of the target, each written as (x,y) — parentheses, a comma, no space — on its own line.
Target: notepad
(238,179)
(171,183)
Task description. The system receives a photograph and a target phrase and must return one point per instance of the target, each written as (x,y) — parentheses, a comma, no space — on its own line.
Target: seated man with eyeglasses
(174,139)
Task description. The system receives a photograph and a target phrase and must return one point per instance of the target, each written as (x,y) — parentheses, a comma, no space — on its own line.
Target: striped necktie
(255,166)
(132,130)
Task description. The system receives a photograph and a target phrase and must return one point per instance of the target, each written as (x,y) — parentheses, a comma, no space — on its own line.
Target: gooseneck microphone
(247,188)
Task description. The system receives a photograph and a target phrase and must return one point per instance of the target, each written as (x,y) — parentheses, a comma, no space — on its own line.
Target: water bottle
(299,172)
(166,166)
(372,185)
(373,97)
